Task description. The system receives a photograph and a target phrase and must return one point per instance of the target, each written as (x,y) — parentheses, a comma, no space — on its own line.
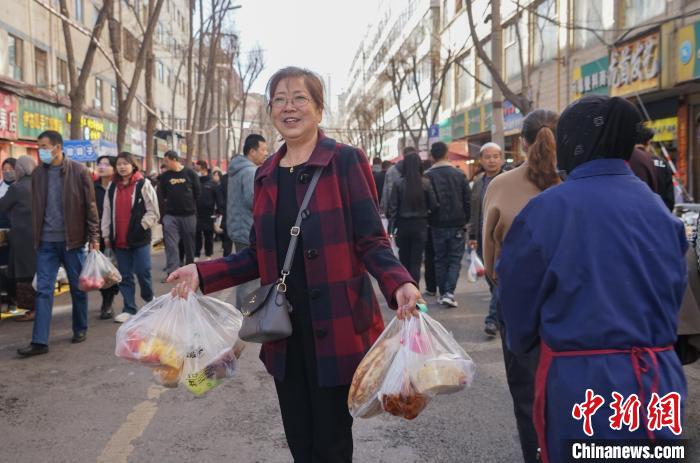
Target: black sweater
(180,191)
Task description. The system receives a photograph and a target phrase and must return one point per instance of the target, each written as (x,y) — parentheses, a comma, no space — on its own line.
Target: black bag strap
(295,231)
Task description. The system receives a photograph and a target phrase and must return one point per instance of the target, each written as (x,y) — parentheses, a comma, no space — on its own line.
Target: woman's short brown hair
(312,81)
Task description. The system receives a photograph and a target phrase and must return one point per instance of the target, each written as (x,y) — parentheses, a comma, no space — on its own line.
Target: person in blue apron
(593,271)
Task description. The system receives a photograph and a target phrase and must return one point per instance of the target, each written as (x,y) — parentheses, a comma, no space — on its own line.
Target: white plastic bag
(98,273)
(193,341)
(414,360)
(476,267)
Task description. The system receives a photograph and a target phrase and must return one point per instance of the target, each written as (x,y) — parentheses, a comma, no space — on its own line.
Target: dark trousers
(520,373)
(410,239)
(205,232)
(176,228)
(226,243)
(429,272)
(448,244)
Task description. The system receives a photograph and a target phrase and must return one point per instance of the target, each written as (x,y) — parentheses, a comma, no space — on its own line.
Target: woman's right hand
(187,279)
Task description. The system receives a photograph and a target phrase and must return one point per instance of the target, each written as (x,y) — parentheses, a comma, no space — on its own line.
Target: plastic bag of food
(98,272)
(414,360)
(476,267)
(193,341)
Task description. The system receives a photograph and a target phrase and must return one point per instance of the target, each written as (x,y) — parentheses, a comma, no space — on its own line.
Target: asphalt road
(80,403)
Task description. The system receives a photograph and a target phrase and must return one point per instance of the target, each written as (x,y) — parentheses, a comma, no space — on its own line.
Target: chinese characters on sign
(36,117)
(661,412)
(8,116)
(635,66)
(591,78)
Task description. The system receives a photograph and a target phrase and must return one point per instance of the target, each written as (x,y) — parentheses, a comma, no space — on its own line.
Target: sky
(321,35)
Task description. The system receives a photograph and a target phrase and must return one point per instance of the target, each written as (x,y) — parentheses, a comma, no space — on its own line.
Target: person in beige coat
(506,196)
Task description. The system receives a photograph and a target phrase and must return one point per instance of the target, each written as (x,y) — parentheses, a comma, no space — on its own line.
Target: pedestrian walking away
(179,188)
(64,219)
(105,171)
(572,280)
(130,212)
(239,214)
(206,210)
(17,203)
(492,163)
(336,316)
(411,202)
(449,222)
(506,196)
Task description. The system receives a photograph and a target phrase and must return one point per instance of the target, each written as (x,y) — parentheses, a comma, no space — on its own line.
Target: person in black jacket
(411,200)
(206,210)
(105,170)
(661,174)
(448,223)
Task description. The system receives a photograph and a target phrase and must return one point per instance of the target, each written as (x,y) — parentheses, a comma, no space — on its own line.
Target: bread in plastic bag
(476,267)
(411,362)
(98,272)
(193,341)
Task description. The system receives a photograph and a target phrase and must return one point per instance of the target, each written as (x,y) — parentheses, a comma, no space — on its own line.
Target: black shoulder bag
(266,310)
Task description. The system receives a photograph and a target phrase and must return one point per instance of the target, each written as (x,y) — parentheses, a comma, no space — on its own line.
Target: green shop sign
(36,117)
(479,119)
(446,130)
(458,126)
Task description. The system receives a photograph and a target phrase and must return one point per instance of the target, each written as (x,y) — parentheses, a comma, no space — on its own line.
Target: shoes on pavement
(122,317)
(106,314)
(27,317)
(32,350)
(78,338)
(429,293)
(491,329)
(448,300)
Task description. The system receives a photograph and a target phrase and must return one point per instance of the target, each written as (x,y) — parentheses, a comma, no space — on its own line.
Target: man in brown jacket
(64,218)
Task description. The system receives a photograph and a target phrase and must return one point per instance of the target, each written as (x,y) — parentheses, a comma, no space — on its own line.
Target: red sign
(8,116)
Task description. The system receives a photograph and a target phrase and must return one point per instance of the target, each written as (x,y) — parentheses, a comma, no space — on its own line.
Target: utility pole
(497,57)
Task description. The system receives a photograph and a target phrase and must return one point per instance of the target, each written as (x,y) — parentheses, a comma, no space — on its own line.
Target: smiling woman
(336,316)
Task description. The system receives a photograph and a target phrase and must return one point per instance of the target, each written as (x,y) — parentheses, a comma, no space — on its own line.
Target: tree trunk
(151,155)
(189,136)
(497,55)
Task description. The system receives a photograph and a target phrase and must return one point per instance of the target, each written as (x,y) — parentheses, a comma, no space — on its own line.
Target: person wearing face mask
(8,178)
(130,212)
(105,172)
(64,219)
(17,203)
(335,317)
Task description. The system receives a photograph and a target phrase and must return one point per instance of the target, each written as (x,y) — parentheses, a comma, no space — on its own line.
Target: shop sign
(446,130)
(636,65)
(591,78)
(689,52)
(512,117)
(80,150)
(664,129)
(36,117)
(93,129)
(8,116)
(458,126)
(433,133)
(479,120)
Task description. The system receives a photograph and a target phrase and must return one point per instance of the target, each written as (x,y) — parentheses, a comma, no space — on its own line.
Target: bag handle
(295,231)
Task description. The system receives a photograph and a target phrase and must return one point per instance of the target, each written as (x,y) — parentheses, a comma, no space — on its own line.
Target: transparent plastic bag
(193,341)
(98,273)
(419,360)
(476,267)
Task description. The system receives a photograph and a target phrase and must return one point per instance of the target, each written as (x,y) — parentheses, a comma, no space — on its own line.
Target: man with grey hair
(492,163)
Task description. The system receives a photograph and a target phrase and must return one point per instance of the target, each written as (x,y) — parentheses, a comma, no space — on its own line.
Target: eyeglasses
(298,101)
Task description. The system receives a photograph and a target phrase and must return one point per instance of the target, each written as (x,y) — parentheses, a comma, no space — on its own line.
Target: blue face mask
(45,155)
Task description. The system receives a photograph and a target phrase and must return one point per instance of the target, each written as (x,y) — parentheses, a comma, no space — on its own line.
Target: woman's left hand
(406,298)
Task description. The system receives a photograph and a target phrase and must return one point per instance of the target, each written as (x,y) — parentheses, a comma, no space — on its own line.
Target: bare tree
(249,73)
(78,78)
(125,99)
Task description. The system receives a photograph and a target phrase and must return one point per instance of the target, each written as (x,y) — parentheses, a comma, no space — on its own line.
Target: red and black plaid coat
(343,240)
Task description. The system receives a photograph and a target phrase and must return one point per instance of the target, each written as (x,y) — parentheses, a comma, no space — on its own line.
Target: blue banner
(79,150)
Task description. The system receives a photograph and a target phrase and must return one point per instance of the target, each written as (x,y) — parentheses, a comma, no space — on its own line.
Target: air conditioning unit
(61,89)
(97,103)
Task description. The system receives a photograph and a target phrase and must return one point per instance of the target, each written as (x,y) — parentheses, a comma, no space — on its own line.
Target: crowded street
(80,403)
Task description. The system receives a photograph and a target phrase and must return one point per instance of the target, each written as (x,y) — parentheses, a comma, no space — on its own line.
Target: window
(596,14)
(159,33)
(159,71)
(511,53)
(464,81)
(638,11)
(445,12)
(113,98)
(41,76)
(78,7)
(98,93)
(545,32)
(15,58)
(483,75)
(61,76)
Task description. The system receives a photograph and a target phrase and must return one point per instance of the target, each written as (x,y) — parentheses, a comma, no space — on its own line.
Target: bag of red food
(98,273)
(476,267)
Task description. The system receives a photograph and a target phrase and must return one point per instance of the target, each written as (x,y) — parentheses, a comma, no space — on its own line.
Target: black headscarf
(596,127)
